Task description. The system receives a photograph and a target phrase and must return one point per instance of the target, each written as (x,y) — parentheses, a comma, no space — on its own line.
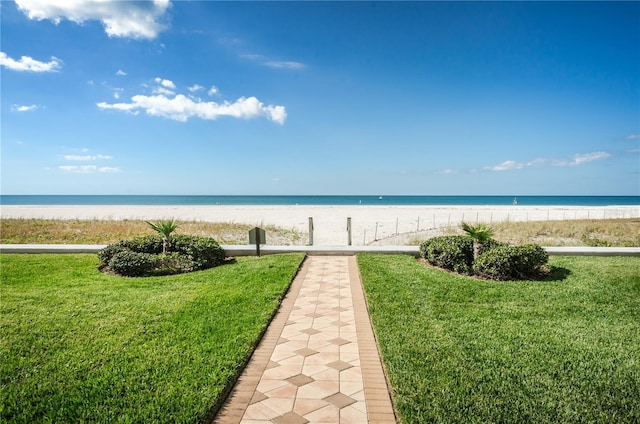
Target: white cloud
(121,73)
(87,157)
(162,90)
(120,19)
(30,65)
(633,151)
(181,108)
(165,83)
(633,136)
(125,107)
(577,159)
(448,172)
(89,169)
(109,170)
(506,166)
(284,65)
(276,64)
(19,108)
(195,87)
(251,56)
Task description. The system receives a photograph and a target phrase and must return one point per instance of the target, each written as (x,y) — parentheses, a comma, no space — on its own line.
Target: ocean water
(383,200)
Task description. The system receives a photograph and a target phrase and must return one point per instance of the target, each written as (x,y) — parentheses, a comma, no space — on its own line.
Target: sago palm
(164,227)
(480,233)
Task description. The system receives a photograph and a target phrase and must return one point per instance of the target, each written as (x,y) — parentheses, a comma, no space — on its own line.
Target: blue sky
(200,97)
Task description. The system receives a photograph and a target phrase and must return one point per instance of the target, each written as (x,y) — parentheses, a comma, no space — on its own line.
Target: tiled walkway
(318,361)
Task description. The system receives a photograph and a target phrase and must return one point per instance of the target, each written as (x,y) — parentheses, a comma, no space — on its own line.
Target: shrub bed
(497,261)
(454,253)
(143,256)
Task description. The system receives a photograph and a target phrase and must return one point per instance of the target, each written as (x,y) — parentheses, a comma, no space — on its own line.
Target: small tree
(164,227)
(480,233)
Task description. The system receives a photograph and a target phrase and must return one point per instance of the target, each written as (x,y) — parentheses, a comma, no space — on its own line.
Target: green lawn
(462,350)
(81,346)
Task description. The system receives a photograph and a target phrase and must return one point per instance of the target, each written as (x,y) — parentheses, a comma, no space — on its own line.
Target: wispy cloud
(230,41)
(87,157)
(506,166)
(89,169)
(120,18)
(195,87)
(447,172)
(633,137)
(284,65)
(121,73)
(275,64)
(577,159)
(251,56)
(24,108)
(27,64)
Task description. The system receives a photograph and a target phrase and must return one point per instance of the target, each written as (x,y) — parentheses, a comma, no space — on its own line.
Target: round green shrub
(174,263)
(147,244)
(187,253)
(531,259)
(511,262)
(144,244)
(454,253)
(490,244)
(205,252)
(132,264)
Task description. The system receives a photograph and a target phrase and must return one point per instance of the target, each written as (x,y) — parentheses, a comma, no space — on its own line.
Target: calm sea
(7,199)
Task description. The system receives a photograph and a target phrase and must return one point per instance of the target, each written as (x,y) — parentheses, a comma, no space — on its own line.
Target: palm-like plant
(164,227)
(480,233)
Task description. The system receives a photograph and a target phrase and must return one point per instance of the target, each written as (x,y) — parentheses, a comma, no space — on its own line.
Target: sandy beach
(369,224)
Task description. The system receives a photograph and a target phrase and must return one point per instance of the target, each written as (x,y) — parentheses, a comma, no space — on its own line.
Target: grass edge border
(238,392)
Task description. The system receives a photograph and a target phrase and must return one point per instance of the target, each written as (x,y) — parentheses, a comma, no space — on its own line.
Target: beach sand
(369,224)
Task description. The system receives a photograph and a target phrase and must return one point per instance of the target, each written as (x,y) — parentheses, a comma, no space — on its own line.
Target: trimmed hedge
(454,253)
(143,256)
(130,263)
(204,252)
(511,262)
(144,244)
(497,261)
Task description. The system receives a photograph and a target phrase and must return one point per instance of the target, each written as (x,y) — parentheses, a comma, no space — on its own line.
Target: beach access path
(318,361)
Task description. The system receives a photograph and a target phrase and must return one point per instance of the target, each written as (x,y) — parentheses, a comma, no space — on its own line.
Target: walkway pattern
(318,361)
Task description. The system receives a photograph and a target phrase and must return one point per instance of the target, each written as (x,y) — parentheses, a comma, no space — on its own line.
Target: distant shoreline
(329,222)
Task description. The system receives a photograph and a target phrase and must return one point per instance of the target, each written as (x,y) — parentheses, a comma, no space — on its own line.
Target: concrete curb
(245,250)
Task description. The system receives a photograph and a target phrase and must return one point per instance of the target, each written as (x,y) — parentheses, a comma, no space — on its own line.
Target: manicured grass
(81,346)
(462,350)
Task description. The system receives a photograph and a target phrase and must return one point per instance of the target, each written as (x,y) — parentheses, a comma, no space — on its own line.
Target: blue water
(8,199)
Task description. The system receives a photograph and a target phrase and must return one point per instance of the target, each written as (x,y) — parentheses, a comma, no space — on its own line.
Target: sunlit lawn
(81,346)
(463,350)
